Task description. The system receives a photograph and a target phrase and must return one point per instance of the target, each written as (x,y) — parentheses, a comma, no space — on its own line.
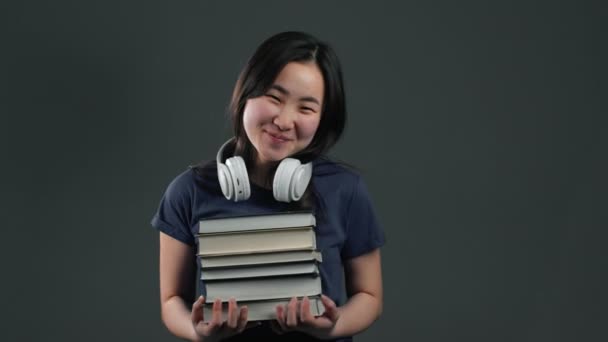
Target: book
(260,258)
(257,222)
(256,241)
(250,289)
(262,310)
(272,270)
(262,261)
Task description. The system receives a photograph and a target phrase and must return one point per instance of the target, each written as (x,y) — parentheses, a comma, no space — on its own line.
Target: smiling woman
(283,121)
(287,110)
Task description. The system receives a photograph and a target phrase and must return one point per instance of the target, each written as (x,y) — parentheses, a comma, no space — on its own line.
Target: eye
(307,110)
(273,98)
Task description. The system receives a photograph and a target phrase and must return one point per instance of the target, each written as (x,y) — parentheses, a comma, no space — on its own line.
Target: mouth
(276,137)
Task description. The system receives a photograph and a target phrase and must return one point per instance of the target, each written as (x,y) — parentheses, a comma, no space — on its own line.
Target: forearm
(176,315)
(357,314)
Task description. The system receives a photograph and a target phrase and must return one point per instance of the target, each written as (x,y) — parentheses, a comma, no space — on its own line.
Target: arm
(364,286)
(177,273)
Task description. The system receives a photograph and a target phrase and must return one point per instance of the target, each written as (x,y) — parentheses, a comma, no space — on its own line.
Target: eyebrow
(286,92)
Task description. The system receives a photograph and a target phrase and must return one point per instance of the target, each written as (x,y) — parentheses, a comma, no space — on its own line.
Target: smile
(276,138)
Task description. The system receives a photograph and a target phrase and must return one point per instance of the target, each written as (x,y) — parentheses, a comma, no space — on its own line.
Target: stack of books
(262,261)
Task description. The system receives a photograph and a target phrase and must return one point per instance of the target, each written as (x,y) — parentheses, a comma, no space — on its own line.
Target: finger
(232,320)
(281,317)
(291,319)
(216,319)
(305,316)
(331,310)
(214,323)
(242,319)
(197,310)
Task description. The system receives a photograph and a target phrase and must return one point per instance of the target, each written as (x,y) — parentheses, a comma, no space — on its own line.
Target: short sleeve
(174,212)
(363,230)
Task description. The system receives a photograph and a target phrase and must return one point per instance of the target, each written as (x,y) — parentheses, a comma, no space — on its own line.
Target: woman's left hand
(296,316)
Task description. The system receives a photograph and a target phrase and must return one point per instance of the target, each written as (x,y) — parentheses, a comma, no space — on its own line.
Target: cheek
(249,114)
(309,127)
(257,112)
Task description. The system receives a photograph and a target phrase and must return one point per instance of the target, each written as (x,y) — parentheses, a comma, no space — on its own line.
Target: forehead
(301,79)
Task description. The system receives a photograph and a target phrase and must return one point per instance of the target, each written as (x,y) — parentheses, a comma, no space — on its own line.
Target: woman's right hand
(216,329)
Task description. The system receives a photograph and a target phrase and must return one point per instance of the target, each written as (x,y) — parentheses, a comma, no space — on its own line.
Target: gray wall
(479,128)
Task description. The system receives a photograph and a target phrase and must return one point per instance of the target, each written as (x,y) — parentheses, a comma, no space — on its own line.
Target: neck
(260,175)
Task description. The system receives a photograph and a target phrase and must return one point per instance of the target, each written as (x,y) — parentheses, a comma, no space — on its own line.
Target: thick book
(272,270)
(263,310)
(260,258)
(256,241)
(256,222)
(263,288)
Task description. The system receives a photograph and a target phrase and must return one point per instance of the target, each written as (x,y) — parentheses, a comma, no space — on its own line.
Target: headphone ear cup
(299,181)
(240,178)
(225,179)
(290,180)
(282,179)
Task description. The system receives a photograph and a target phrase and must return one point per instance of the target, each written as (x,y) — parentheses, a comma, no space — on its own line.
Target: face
(285,119)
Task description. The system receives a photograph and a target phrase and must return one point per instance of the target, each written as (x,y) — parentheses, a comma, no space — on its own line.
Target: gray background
(479,128)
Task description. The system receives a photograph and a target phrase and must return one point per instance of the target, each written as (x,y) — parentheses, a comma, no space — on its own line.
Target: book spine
(263,310)
(264,288)
(268,221)
(260,271)
(253,259)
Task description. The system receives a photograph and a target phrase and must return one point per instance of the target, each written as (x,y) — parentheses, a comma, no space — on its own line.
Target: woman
(288,102)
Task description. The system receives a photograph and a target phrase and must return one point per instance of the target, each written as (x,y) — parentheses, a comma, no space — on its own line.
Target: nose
(285,119)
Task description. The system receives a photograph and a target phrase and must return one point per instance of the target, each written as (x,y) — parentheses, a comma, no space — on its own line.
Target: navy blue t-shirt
(346,228)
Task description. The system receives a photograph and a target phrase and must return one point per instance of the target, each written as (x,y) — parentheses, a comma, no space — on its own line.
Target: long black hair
(262,69)
(258,76)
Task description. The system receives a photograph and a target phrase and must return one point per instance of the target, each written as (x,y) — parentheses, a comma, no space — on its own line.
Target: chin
(278,158)
(275,153)
(275,157)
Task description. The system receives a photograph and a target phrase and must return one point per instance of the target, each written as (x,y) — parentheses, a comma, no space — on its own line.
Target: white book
(260,258)
(263,288)
(263,310)
(257,241)
(257,222)
(272,270)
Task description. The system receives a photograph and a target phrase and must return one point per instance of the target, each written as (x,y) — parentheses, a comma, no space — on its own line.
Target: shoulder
(324,167)
(330,175)
(335,181)
(182,185)
(199,177)
(195,181)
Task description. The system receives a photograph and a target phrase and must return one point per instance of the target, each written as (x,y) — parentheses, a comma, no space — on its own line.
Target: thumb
(197,310)
(331,310)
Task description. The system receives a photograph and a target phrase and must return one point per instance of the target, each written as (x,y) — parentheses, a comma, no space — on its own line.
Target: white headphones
(289,182)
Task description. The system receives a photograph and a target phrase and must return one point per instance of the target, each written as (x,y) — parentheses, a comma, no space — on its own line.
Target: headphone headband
(220,153)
